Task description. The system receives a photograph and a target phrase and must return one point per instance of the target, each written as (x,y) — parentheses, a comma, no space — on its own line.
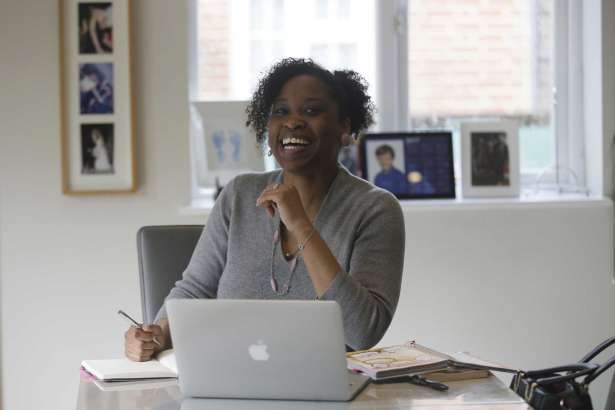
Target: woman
(309,231)
(100,153)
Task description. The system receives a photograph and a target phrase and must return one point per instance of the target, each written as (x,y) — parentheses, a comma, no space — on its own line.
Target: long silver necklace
(294,255)
(293,266)
(293,261)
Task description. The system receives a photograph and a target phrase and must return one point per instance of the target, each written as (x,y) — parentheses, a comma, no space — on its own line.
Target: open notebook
(163,366)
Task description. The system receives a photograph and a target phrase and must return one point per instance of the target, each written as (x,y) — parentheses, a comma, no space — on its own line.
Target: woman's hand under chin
(285,198)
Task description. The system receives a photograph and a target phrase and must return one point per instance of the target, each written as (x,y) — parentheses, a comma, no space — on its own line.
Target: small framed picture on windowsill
(490,159)
(96,107)
(410,165)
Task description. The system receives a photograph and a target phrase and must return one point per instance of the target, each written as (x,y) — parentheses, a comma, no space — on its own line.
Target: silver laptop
(261,349)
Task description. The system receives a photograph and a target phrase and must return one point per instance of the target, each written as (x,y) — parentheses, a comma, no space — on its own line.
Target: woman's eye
(312,110)
(279,111)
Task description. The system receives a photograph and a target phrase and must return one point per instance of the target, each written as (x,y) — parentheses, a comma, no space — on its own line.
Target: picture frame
(424,170)
(490,159)
(97,118)
(223,145)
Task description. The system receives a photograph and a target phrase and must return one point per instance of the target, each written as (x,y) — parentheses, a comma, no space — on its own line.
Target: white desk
(488,393)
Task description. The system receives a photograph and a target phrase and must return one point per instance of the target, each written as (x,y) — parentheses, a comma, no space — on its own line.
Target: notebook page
(113,369)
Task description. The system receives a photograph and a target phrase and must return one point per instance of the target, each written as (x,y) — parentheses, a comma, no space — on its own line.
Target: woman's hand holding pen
(142,342)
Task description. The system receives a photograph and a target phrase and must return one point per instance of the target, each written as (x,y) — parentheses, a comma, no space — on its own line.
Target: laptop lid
(259,349)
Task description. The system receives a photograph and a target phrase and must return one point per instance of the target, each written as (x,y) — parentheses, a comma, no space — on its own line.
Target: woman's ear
(346,138)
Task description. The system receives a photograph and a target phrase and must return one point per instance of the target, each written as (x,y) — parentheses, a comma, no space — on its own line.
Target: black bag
(557,387)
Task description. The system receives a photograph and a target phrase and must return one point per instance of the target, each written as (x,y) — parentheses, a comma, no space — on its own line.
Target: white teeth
(293,140)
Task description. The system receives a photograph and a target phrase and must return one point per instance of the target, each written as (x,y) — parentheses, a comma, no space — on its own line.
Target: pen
(421,381)
(135,323)
(414,379)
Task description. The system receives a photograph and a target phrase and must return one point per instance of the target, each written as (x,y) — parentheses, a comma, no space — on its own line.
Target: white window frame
(391,88)
(199,194)
(568,93)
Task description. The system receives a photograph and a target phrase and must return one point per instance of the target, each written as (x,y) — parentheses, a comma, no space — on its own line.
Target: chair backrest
(164,252)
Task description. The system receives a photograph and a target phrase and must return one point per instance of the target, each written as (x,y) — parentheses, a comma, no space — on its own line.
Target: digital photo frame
(411,165)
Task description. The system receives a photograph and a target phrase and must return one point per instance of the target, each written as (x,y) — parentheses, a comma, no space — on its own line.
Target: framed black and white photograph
(411,165)
(490,159)
(97,153)
(96,107)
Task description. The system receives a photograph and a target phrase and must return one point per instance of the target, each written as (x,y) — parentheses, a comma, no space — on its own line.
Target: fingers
(138,355)
(156,332)
(142,335)
(154,329)
(275,188)
(266,204)
(140,344)
(269,206)
(270,188)
(273,195)
(267,200)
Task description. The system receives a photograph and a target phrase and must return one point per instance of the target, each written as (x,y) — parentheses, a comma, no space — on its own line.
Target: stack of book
(413,359)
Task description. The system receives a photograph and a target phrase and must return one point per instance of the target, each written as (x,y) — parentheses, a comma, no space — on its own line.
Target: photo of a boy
(389,177)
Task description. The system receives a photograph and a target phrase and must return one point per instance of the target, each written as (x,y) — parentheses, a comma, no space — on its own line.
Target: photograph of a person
(490,159)
(386,165)
(95,28)
(96,88)
(97,141)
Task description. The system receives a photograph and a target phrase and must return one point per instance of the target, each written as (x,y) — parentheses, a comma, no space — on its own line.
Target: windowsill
(203,206)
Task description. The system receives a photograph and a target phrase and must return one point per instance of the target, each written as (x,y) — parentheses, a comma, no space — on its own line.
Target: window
(454,60)
(486,59)
(239,39)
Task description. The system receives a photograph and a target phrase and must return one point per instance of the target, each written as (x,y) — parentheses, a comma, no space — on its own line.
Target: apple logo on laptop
(259,351)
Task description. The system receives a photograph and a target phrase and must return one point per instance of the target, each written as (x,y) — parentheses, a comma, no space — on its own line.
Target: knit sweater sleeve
(368,293)
(200,279)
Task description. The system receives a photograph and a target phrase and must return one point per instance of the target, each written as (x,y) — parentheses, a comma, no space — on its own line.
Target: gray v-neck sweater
(363,226)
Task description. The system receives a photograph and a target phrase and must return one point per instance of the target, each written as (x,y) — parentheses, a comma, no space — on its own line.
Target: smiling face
(304,126)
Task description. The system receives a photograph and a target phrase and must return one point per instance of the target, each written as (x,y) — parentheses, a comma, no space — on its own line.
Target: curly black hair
(347,87)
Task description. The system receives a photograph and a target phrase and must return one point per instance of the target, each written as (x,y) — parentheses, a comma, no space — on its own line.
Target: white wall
(524,285)
(68,263)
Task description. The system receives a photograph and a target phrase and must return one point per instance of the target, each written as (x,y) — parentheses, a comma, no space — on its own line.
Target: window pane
(472,59)
(239,39)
